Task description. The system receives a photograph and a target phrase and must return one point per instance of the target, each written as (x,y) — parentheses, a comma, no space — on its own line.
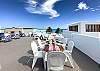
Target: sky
(44,13)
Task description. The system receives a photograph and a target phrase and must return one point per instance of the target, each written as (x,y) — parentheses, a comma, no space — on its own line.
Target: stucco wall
(13,29)
(27,30)
(88,45)
(1,30)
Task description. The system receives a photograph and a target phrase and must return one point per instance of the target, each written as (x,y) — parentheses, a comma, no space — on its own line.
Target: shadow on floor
(84,62)
(39,65)
(28,60)
(30,52)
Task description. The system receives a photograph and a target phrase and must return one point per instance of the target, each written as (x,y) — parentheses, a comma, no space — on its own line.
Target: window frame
(73,28)
(92,27)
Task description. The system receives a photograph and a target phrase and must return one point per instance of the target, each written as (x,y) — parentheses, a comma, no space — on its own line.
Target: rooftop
(15,54)
(84,22)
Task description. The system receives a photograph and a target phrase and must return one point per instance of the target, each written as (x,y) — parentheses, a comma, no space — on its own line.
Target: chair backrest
(55,59)
(70,45)
(66,40)
(39,42)
(63,40)
(61,35)
(46,35)
(34,46)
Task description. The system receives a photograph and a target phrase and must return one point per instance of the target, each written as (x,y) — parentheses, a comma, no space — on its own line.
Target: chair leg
(47,68)
(71,61)
(45,65)
(34,62)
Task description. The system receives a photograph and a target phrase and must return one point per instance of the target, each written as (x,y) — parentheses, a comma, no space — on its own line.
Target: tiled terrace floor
(14,56)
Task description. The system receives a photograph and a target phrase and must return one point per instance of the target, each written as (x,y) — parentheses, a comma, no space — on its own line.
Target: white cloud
(93,10)
(97,9)
(82,6)
(98,6)
(76,9)
(46,8)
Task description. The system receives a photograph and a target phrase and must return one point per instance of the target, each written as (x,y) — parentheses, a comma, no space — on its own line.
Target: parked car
(15,36)
(1,36)
(5,37)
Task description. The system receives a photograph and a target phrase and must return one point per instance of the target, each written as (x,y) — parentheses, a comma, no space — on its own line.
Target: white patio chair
(55,61)
(62,40)
(61,35)
(46,35)
(41,46)
(68,52)
(37,54)
(70,46)
(34,46)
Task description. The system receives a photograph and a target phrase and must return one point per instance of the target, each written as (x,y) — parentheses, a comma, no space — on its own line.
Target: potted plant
(49,30)
(58,31)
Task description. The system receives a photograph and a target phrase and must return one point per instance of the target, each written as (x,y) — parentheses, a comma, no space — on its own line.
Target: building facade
(17,30)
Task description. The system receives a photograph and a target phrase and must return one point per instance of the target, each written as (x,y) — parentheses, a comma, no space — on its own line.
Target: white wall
(82,29)
(87,42)
(94,34)
(88,45)
(66,34)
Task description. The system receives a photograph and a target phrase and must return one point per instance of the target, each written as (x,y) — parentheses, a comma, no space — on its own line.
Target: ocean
(53,30)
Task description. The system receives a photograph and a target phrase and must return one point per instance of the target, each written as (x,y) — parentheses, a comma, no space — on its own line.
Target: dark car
(1,36)
(5,37)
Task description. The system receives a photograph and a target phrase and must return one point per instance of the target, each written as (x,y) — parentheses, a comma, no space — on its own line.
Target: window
(92,27)
(73,28)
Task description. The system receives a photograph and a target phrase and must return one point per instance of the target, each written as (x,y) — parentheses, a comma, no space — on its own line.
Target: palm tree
(49,30)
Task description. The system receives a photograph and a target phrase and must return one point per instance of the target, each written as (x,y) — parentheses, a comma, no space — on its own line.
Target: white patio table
(41,54)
